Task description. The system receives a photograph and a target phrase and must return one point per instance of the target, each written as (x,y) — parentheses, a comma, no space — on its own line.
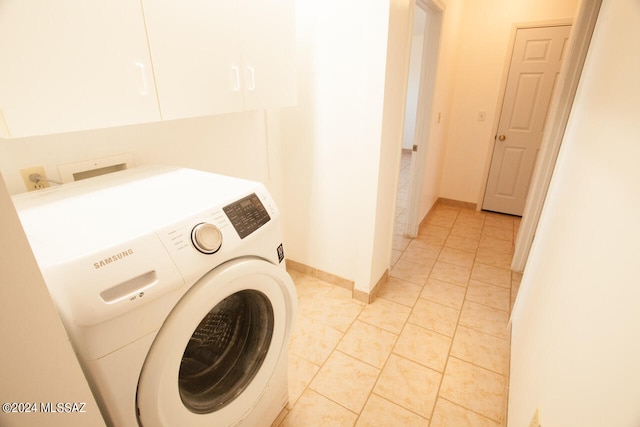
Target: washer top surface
(74,219)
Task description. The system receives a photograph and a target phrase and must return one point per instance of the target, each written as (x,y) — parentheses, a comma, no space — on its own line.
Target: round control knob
(206,237)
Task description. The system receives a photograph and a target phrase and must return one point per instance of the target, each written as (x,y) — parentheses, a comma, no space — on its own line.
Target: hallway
(431,350)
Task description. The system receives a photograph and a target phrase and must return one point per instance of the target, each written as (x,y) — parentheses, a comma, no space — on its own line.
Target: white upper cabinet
(221,56)
(73,65)
(86,64)
(269,53)
(196,56)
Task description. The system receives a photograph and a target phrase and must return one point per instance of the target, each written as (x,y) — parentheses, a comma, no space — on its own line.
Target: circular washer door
(217,350)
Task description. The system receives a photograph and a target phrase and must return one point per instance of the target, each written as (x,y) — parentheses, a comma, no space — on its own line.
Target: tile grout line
(464,300)
(450,356)
(406,322)
(446,363)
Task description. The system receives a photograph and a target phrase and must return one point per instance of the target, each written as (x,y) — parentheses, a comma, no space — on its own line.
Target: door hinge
(415,147)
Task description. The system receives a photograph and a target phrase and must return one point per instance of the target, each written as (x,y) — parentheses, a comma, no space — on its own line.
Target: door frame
(424,111)
(560,109)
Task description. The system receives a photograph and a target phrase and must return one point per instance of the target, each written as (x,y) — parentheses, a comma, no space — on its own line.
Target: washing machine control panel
(206,237)
(247,215)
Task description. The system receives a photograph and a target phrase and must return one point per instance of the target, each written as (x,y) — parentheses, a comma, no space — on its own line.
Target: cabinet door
(221,56)
(196,56)
(269,52)
(73,65)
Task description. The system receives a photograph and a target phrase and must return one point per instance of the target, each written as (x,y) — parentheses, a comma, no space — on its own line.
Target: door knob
(502,137)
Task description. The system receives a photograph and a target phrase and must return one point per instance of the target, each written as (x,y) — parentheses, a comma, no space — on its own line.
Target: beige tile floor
(431,350)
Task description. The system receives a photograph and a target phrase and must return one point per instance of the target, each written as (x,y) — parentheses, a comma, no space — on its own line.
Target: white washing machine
(172,288)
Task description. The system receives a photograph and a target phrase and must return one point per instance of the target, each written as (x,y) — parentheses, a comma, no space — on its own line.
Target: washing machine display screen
(226,351)
(247,215)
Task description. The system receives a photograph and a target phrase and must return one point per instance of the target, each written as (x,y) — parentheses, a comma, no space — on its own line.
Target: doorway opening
(425,43)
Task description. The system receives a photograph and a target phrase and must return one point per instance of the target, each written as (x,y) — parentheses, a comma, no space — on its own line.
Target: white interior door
(432,15)
(535,66)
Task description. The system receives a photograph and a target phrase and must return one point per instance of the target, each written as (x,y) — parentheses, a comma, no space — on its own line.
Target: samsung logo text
(112,259)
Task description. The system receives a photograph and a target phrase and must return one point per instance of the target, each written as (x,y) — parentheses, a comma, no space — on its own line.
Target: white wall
(37,363)
(332,139)
(576,322)
(485,32)
(341,144)
(232,144)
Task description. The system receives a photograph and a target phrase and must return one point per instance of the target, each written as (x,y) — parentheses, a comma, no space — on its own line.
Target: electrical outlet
(535,421)
(31,186)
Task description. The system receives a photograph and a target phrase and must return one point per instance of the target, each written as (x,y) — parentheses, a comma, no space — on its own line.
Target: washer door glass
(222,348)
(225,351)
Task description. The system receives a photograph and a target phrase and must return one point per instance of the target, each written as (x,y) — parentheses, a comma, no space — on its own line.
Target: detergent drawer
(111,282)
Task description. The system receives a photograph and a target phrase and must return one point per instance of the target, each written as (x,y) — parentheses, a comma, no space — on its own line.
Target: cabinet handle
(143,88)
(236,73)
(252,74)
